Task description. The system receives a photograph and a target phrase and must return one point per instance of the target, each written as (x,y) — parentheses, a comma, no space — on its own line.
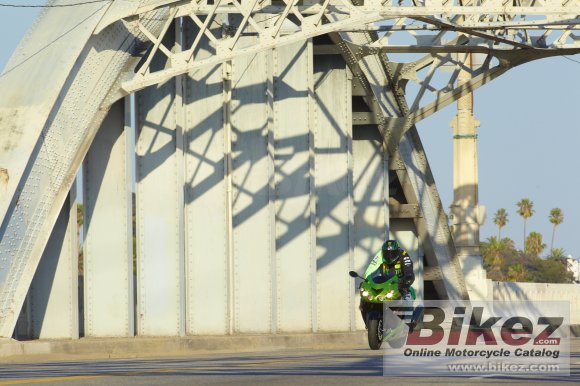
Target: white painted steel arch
(62,81)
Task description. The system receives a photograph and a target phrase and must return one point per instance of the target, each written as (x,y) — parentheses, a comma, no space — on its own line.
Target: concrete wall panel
(540,292)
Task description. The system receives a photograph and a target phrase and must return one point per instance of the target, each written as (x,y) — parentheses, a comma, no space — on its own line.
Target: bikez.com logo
(512,331)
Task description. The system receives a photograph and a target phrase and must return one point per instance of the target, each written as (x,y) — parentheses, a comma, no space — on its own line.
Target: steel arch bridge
(275,149)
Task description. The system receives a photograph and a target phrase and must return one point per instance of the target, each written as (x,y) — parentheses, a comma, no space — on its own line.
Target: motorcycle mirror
(353,274)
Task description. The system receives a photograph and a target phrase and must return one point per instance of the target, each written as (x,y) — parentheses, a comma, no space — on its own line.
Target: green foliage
(556,218)
(557,253)
(503,261)
(500,219)
(534,245)
(551,271)
(80,215)
(526,210)
(80,222)
(495,253)
(518,272)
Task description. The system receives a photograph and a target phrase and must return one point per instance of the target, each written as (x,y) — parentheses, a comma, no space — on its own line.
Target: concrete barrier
(540,292)
(142,347)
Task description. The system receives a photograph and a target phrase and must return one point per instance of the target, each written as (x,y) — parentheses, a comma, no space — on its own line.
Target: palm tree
(534,244)
(500,219)
(556,218)
(526,210)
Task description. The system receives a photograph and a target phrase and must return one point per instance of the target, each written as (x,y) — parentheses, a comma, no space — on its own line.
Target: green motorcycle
(374,293)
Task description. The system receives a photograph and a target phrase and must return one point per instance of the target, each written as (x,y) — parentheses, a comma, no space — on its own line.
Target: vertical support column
(312,124)
(465,207)
(229,202)
(159,209)
(272,193)
(332,135)
(350,190)
(53,295)
(108,247)
(206,202)
(180,122)
(292,188)
(370,189)
(252,205)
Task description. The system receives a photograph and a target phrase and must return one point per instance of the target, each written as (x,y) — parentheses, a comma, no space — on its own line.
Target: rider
(392,256)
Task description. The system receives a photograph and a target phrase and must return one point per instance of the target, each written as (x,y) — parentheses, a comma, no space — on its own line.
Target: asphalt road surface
(307,367)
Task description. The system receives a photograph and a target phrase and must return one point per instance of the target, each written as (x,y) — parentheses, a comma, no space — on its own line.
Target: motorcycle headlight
(365,293)
(370,298)
(390,295)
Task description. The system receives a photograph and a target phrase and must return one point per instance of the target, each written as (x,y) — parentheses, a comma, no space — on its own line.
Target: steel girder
(493,27)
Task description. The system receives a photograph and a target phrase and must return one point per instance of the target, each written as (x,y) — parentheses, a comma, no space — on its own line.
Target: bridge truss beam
(491,27)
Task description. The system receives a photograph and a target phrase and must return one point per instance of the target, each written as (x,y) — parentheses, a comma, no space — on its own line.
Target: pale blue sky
(528,140)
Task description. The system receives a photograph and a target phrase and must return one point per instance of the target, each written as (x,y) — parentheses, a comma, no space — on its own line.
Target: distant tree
(503,261)
(500,219)
(80,215)
(534,245)
(510,254)
(557,254)
(556,218)
(518,272)
(551,270)
(80,222)
(493,256)
(526,210)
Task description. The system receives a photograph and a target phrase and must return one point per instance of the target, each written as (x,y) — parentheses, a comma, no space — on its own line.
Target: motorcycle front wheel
(375,333)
